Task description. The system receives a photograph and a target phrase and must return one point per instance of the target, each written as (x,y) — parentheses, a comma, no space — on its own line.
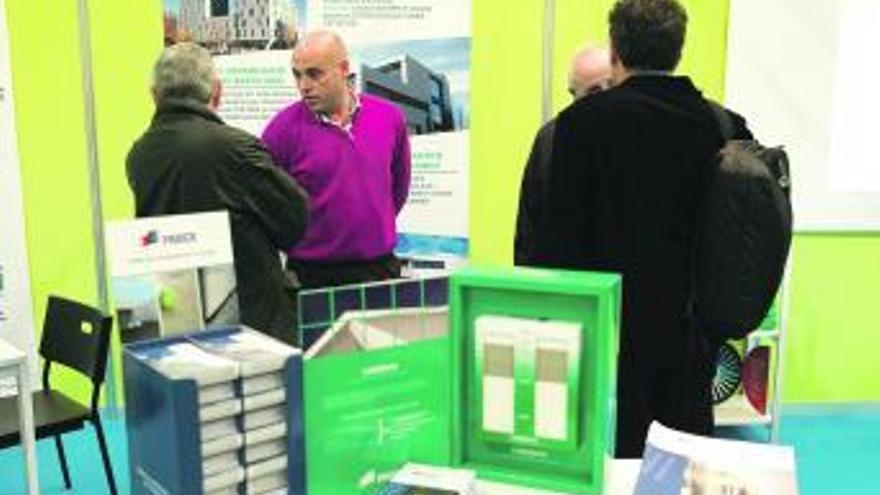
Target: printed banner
(414,53)
(827,120)
(16,308)
(172,274)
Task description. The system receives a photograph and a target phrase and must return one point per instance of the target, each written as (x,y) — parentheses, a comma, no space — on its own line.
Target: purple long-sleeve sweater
(357,178)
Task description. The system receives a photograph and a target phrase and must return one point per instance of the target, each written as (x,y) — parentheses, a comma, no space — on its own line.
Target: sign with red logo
(172,274)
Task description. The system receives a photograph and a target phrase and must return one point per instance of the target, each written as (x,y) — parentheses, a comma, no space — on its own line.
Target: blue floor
(837,448)
(83,460)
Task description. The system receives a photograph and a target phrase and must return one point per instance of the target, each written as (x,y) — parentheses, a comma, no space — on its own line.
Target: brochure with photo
(676,463)
(419,479)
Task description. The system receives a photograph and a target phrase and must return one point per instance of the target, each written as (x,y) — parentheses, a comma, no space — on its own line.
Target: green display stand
(534,380)
(377,387)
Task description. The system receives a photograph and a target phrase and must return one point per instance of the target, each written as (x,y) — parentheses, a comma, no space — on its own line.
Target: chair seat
(54,413)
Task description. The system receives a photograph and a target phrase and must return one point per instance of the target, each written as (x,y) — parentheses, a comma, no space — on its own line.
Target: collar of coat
(171,105)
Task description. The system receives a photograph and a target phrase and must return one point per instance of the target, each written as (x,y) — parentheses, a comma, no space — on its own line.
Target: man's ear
(615,60)
(618,71)
(216,93)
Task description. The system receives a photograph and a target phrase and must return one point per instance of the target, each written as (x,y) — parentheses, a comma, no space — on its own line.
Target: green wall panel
(705,52)
(50,121)
(44,51)
(834,330)
(122,73)
(123,106)
(582,21)
(506,112)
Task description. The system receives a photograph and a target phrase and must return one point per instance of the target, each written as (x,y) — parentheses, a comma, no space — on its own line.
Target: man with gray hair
(189,161)
(590,73)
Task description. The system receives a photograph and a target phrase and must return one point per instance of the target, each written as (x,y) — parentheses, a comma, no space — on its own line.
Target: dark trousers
(320,274)
(677,392)
(679,398)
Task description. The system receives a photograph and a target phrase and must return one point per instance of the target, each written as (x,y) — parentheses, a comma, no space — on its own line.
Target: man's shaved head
(322,42)
(590,71)
(321,68)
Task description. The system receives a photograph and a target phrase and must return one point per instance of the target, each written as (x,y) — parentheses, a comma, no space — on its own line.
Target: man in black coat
(628,168)
(190,161)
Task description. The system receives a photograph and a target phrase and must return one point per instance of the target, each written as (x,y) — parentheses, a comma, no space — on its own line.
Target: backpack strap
(728,132)
(727,128)
(725,122)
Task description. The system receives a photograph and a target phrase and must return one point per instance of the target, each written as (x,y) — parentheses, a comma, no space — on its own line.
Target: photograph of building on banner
(429,80)
(172,275)
(229,26)
(413,53)
(417,54)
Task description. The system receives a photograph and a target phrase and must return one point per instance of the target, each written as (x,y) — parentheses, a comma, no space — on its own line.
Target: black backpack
(743,235)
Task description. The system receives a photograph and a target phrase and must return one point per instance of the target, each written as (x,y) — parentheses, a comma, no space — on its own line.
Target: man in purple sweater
(351,153)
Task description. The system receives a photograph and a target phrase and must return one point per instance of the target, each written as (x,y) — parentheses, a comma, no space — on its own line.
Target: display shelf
(377,381)
(181,444)
(737,411)
(535,355)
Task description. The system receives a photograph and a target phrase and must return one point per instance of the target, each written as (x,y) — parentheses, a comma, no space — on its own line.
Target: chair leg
(62,459)
(105,456)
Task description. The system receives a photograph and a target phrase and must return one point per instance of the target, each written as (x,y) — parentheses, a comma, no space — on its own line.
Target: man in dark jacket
(190,161)
(628,169)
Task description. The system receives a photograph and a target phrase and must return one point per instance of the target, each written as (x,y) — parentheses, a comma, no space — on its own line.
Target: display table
(13,363)
(622,481)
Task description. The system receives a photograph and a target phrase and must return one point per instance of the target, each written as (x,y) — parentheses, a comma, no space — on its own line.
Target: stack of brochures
(218,408)
(215,412)
(261,361)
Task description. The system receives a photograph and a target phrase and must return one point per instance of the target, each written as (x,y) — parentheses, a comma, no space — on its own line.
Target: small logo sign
(151,237)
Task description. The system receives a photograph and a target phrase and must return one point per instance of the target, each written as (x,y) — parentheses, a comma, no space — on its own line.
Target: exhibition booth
(466,375)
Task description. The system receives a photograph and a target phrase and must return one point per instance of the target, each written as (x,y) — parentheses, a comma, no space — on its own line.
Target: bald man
(590,73)
(351,153)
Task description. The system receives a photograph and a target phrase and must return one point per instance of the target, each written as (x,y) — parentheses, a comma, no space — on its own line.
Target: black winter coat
(627,172)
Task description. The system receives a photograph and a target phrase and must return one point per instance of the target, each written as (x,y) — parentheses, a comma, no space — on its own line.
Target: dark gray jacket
(190,161)
(532,194)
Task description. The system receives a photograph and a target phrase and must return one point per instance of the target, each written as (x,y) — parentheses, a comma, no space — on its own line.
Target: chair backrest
(76,336)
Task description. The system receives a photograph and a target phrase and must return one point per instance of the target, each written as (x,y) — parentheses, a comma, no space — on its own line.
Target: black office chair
(76,336)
